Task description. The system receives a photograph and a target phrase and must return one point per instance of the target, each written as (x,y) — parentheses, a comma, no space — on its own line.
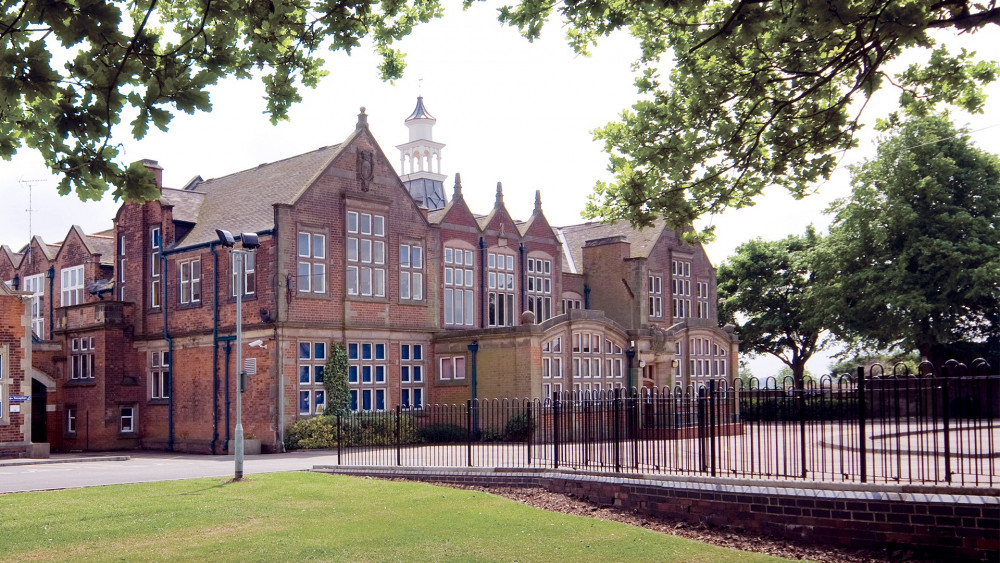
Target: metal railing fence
(866,427)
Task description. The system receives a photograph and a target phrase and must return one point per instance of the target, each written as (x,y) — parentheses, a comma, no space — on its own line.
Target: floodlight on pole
(250,242)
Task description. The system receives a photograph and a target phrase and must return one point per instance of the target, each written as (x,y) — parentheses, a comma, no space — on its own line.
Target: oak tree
(739,95)
(73,70)
(768,289)
(913,256)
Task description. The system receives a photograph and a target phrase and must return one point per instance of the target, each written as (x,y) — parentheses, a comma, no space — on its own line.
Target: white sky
(508,111)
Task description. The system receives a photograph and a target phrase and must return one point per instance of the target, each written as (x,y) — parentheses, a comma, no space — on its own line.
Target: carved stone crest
(366,169)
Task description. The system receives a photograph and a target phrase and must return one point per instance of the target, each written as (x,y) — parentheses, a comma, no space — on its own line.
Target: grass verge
(303,516)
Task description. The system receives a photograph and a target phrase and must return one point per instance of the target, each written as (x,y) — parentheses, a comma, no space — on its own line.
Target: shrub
(518,428)
(316,433)
(443,433)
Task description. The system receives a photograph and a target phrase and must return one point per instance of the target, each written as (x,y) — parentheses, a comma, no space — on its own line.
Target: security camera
(258,344)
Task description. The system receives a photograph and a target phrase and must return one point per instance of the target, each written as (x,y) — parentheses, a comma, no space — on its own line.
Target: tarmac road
(70,471)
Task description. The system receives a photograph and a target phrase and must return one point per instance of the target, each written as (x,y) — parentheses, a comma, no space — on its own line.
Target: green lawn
(299,516)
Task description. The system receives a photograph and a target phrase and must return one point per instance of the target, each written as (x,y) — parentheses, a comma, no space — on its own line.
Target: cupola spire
(420,159)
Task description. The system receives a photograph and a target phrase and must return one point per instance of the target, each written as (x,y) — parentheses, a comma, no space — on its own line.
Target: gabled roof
(243,201)
(14,257)
(49,250)
(641,241)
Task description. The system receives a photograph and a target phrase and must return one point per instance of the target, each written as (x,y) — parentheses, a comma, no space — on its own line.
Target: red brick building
(135,327)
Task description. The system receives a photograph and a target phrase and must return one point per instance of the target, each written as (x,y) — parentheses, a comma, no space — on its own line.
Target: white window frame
(71,286)
(81,358)
(366,251)
(655,296)
(412,375)
(502,287)
(459,286)
(36,285)
(540,283)
(189,272)
(155,245)
(312,358)
(311,257)
(368,368)
(249,274)
(121,267)
(123,417)
(159,374)
(411,269)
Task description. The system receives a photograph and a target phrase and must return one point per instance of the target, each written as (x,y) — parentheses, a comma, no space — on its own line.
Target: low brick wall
(949,523)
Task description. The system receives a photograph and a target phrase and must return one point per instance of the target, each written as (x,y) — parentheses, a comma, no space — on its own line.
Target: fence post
(468,434)
(801,384)
(946,415)
(531,431)
(338,437)
(398,419)
(711,424)
(555,430)
(616,410)
(862,415)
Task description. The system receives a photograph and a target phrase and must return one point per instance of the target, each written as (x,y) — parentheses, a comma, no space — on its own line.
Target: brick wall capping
(852,491)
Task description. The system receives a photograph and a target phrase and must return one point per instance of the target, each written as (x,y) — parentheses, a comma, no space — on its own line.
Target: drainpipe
(215,349)
(586,296)
(51,274)
(482,282)
(229,350)
(521,294)
(170,354)
(473,349)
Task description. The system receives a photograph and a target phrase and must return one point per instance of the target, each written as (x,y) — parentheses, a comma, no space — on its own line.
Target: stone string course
(946,523)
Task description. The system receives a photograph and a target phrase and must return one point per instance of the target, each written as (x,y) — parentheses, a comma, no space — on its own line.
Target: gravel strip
(725,537)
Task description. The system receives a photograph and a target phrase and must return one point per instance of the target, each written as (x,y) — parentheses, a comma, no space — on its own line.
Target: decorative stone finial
(362,119)
(458,186)
(499,194)
(538,201)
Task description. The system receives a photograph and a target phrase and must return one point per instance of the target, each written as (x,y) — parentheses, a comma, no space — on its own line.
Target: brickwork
(13,441)
(960,525)
(139,308)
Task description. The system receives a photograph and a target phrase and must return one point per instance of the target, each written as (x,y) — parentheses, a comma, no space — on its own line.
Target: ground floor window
(71,419)
(127,417)
(411,376)
(366,375)
(312,361)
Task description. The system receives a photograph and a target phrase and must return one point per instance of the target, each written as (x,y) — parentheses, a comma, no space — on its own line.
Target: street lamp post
(250,243)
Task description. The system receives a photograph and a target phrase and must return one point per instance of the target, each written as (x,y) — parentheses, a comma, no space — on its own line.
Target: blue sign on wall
(19,398)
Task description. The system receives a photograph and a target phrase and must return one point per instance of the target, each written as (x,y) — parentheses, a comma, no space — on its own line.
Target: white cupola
(420,160)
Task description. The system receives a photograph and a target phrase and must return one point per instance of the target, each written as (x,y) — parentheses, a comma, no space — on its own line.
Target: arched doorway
(39,400)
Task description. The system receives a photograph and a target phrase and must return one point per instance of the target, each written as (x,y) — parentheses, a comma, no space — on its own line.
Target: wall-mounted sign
(15,408)
(19,398)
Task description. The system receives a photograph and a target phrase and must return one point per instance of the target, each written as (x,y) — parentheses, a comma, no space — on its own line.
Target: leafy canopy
(734,95)
(913,256)
(73,70)
(768,289)
(739,95)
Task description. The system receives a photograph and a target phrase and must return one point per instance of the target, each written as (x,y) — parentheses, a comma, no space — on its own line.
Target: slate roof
(243,201)
(186,203)
(102,245)
(641,242)
(420,112)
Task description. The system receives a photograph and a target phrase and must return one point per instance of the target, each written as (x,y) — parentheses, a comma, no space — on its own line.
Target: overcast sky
(507,110)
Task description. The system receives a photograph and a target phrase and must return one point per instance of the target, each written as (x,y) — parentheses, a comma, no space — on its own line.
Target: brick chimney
(157,171)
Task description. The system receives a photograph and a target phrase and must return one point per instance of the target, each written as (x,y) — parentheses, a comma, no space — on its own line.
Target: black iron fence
(890,427)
